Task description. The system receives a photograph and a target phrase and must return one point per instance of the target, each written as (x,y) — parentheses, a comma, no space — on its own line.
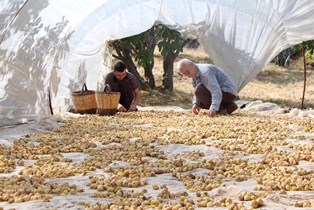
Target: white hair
(183,62)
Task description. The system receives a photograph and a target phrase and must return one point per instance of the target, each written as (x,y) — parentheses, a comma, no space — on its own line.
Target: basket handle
(84,88)
(107,89)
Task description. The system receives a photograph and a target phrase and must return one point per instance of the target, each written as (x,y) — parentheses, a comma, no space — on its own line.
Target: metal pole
(304,85)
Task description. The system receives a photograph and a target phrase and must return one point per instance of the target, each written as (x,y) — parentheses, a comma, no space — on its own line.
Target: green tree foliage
(295,52)
(308,46)
(169,40)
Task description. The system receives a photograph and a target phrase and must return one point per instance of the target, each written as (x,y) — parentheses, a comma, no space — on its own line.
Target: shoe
(231,107)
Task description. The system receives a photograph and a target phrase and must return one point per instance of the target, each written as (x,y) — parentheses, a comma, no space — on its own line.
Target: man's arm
(211,83)
(136,100)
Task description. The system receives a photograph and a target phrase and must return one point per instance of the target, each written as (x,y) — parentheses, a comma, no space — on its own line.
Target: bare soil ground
(283,86)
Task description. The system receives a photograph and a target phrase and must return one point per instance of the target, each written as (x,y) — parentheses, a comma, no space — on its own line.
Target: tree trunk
(149,75)
(167,80)
(280,60)
(148,68)
(168,62)
(283,58)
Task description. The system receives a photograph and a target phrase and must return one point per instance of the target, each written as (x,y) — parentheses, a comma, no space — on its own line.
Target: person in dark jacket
(120,80)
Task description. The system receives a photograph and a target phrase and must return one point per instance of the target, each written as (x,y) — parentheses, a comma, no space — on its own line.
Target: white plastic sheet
(50,48)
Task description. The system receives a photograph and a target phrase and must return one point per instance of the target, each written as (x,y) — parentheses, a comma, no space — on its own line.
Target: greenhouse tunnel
(49,48)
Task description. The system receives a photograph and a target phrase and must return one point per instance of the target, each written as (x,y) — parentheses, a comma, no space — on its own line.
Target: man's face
(120,75)
(188,71)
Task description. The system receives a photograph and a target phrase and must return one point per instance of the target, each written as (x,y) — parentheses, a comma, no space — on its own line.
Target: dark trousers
(205,97)
(126,91)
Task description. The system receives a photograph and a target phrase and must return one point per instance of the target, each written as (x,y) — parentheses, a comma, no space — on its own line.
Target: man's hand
(196,108)
(212,113)
(132,107)
(121,108)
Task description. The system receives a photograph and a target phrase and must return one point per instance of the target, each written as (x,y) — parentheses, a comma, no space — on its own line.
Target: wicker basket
(107,101)
(84,101)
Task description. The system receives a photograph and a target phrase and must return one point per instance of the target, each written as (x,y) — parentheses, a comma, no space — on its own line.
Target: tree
(141,47)
(170,44)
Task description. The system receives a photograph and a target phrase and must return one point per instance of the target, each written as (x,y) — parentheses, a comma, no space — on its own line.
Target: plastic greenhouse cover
(50,48)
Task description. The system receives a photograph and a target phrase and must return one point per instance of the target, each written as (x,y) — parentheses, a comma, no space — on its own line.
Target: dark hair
(119,66)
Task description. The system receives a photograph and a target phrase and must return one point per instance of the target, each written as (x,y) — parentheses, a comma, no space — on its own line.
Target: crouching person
(214,90)
(120,80)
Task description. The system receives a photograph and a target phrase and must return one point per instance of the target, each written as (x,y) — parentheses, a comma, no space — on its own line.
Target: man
(126,83)
(214,90)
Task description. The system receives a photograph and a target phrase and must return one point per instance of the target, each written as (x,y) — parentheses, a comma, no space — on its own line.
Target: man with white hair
(214,90)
